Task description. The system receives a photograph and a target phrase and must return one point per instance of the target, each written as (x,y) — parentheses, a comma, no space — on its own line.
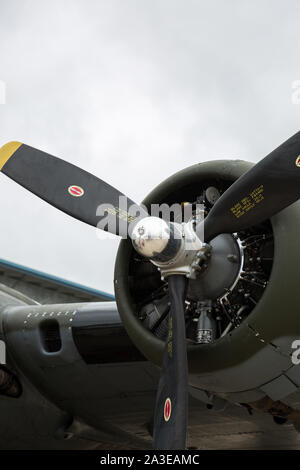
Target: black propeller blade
(170,420)
(270,186)
(67,187)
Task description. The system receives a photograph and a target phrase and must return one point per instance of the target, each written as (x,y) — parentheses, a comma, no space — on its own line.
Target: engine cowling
(260,301)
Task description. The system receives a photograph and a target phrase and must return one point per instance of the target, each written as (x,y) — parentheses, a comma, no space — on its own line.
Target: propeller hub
(174,248)
(156,239)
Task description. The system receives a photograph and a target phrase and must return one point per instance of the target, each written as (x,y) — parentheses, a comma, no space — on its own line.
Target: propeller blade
(68,188)
(267,188)
(170,420)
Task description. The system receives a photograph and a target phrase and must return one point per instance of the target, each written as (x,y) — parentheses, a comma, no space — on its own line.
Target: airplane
(196,350)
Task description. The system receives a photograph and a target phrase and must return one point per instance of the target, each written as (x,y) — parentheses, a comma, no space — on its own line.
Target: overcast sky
(133,91)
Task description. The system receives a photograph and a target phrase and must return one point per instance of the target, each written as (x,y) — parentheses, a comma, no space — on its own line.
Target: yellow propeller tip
(7,151)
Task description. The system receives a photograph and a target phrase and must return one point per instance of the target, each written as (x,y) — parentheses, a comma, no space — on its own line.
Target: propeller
(270,186)
(263,191)
(69,188)
(170,420)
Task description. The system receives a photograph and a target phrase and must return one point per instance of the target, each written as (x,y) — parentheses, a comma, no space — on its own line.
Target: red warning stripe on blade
(167,409)
(76,191)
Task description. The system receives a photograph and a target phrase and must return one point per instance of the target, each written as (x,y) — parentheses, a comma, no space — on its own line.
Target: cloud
(133,92)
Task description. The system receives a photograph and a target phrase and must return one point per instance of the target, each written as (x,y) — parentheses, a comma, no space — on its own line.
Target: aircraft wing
(45,288)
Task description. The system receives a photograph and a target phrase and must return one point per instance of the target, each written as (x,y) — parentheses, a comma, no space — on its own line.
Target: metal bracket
(191,257)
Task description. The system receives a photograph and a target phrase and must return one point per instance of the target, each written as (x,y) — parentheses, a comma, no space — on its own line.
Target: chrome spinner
(174,248)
